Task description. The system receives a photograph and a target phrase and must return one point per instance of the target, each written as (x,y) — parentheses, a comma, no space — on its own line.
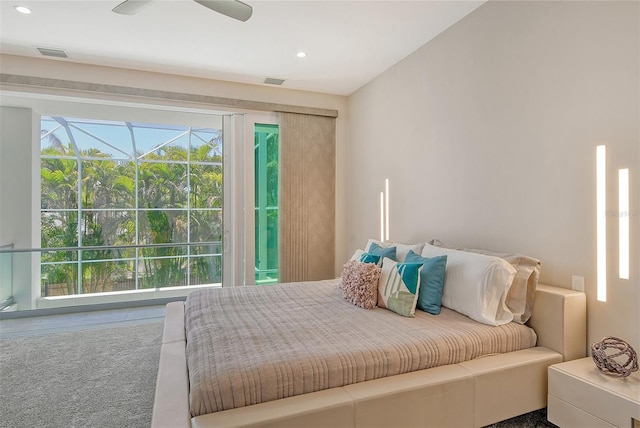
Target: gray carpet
(537,419)
(99,377)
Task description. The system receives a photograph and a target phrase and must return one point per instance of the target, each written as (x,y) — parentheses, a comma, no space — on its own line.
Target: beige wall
(488,133)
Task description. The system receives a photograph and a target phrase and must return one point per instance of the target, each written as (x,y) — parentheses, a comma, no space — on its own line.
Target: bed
(503,376)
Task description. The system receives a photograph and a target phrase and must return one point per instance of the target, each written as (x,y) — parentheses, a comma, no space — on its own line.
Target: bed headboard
(559,318)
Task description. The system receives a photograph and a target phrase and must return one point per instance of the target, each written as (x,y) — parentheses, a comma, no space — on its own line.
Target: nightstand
(580,395)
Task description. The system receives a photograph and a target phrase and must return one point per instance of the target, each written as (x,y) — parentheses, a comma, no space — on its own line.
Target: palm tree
(59,184)
(163,185)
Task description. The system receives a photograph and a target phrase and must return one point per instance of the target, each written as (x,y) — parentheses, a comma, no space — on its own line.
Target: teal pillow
(388,252)
(369,258)
(431,281)
(363,257)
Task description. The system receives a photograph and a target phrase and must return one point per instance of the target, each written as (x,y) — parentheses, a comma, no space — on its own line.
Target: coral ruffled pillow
(360,283)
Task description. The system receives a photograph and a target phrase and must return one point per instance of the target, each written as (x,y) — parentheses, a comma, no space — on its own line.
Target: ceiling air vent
(58,53)
(273,81)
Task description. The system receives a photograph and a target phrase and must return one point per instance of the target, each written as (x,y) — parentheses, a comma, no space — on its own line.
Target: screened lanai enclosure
(128,206)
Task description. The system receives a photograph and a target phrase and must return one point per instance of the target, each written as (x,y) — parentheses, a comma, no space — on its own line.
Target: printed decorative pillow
(431,281)
(363,257)
(398,286)
(359,283)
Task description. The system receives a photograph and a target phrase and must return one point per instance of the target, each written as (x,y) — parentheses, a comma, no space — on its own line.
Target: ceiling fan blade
(232,8)
(130,7)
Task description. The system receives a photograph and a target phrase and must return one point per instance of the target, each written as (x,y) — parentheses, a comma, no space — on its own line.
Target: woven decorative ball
(620,360)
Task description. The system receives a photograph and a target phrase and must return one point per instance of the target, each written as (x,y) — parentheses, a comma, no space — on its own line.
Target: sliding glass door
(266,182)
(262,194)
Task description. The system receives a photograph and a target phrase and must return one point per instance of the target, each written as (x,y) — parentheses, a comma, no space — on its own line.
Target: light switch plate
(577,283)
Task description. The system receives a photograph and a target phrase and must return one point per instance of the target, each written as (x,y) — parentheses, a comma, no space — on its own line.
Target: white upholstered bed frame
(470,394)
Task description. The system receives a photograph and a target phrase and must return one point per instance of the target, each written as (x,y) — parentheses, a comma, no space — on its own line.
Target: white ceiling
(348,42)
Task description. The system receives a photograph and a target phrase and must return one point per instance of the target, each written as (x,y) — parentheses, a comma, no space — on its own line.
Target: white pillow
(475,285)
(523,288)
(401,249)
(357,255)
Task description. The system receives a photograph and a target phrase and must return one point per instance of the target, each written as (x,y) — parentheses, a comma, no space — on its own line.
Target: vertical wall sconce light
(384,212)
(623,223)
(601,223)
(386,208)
(381,216)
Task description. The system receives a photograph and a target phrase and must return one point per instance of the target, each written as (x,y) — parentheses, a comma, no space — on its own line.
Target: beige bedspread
(247,345)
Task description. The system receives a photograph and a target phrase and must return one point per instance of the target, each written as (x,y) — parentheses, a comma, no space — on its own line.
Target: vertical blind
(307,197)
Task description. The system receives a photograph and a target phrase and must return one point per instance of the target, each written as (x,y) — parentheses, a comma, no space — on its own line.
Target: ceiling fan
(232,8)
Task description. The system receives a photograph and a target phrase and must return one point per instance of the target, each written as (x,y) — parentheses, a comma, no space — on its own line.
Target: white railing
(6,276)
(118,268)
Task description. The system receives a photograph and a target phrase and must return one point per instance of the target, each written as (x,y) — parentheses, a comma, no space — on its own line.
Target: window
(128,205)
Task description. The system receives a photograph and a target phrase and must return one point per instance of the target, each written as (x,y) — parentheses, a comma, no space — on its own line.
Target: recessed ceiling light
(301,54)
(23,9)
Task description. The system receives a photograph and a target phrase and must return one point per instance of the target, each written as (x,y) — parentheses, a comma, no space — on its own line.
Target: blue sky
(116,134)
